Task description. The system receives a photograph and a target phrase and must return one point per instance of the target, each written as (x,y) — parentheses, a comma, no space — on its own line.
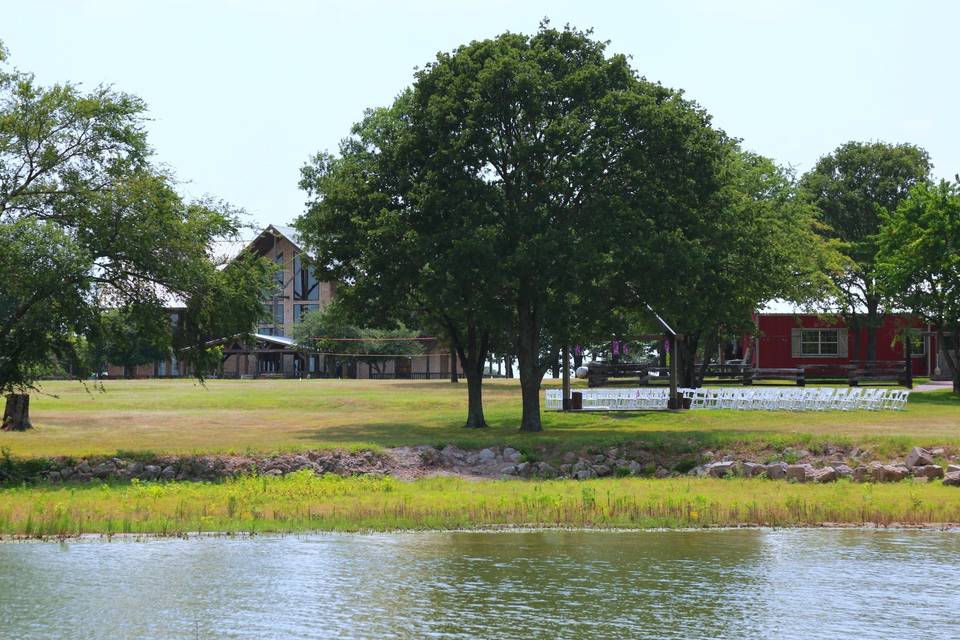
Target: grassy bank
(303,502)
(179,416)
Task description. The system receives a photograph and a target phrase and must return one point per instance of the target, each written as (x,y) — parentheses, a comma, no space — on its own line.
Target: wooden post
(908,366)
(566,378)
(674,402)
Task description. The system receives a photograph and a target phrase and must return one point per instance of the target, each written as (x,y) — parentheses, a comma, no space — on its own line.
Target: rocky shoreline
(407,463)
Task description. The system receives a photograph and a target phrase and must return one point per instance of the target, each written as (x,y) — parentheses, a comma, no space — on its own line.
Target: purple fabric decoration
(615,348)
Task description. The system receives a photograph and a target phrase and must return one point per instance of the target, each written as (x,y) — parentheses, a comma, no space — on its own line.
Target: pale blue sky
(241,93)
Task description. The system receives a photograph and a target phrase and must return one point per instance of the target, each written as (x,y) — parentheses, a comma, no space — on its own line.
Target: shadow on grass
(935,398)
(560,437)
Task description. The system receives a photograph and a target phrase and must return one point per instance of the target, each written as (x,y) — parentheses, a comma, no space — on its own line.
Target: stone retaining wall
(506,462)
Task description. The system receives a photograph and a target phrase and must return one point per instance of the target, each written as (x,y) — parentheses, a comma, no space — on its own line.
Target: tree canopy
(527,188)
(918,262)
(852,187)
(88,223)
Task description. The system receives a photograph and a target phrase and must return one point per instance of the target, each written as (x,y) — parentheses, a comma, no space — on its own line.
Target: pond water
(534,584)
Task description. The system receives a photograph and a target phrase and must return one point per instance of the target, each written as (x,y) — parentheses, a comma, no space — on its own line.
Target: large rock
(512,455)
(635,468)
(104,470)
(168,473)
(928,471)
(545,470)
(800,472)
(843,471)
(452,454)
(953,468)
(720,469)
(952,479)
(777,470)
(919,457)
(602,470)
(486,455)
(862,474)
(585,474)
(752,469)
(150,472)
(890,473)
(826,474)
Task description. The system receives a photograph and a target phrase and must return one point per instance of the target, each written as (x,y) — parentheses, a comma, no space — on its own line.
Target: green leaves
(918,262)
(87,224)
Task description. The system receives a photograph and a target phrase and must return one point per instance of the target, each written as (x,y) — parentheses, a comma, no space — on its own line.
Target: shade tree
(88,223)
(852,187)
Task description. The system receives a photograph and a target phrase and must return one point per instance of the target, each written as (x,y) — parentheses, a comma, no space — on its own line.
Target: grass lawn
(304,502)
(180,416)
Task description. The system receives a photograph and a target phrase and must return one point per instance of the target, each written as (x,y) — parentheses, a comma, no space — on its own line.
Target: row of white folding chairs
(624,399)
(744,398)
(799,399)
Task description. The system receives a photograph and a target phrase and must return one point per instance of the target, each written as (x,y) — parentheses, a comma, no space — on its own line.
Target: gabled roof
(281,231)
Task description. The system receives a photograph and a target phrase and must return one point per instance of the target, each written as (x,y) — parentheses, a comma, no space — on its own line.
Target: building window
(305,283)
(278,276)
(278,314)
(819,342)
(918,344)
(300,310)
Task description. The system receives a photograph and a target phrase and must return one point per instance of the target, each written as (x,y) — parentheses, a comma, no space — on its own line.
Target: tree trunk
(530,392)
(531,372)
(577,359)
(475,419)
(686,350)
(873,323)
(508,365)
(453,365)
(473,355)
(16,413)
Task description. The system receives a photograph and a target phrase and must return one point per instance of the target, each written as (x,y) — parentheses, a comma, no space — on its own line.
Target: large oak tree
(498,190)
(852,187)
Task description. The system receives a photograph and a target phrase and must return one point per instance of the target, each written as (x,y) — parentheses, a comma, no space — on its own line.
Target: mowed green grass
(303,502)
(241,416)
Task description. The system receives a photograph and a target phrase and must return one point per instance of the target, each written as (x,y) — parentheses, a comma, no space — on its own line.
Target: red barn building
(791,340)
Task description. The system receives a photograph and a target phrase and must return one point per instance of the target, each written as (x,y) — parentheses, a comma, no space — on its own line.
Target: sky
(242,93)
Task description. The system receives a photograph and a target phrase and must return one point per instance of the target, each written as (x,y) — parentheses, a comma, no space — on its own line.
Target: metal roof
(281,340)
